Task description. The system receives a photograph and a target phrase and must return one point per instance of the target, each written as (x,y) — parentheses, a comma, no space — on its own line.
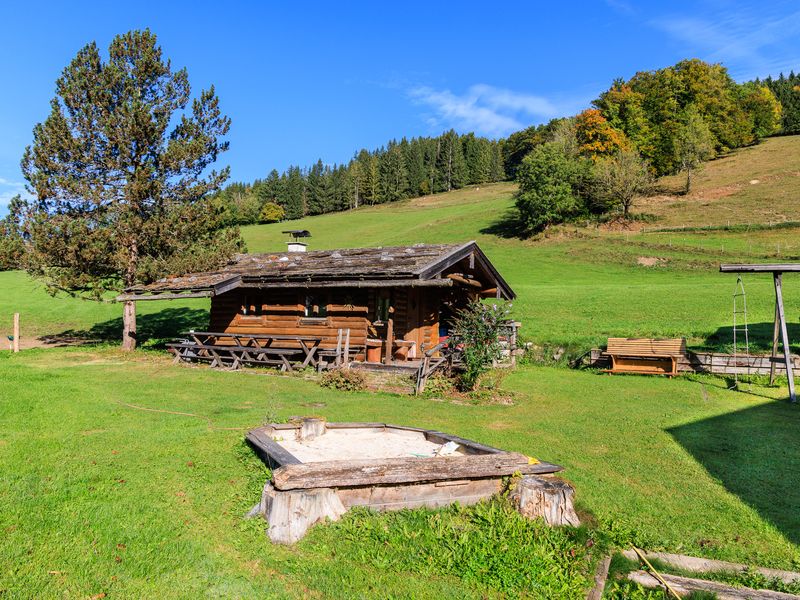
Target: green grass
(100,497)
(125,501)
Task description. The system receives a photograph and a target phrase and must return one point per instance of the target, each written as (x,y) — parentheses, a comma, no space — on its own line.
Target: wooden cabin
(387,304)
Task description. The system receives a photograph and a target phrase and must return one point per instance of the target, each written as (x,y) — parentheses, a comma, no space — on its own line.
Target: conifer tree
(120,170)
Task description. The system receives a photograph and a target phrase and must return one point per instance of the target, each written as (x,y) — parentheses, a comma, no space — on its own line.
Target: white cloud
(750,42)
(9,189)
(484,109)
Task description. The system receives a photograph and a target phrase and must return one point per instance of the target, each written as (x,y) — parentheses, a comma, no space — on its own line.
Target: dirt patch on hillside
(650,261)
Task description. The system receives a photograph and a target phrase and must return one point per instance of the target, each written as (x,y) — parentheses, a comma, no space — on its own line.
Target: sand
(348,444)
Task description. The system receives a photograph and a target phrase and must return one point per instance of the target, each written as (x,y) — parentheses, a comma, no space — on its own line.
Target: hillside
(663,463)
(576,286)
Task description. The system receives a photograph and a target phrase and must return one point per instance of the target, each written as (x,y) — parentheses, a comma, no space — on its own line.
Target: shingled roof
(352,267)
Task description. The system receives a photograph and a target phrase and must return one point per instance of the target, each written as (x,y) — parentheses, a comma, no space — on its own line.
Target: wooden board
(397,470)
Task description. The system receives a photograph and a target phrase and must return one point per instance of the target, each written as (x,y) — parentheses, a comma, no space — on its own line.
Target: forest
(655,123)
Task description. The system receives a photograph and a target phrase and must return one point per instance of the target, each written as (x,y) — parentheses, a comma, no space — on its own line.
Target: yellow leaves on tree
(597,137)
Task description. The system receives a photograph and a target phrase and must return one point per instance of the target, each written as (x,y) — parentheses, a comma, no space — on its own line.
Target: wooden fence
(712,362)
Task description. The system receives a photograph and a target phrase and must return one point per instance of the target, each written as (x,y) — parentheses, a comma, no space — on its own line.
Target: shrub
(271,213)
(347,380)
(477,328)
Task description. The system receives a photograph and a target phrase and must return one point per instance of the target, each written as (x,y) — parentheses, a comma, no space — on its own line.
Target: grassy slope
(684,465)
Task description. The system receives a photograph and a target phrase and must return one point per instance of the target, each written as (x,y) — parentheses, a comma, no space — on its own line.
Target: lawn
(101,496)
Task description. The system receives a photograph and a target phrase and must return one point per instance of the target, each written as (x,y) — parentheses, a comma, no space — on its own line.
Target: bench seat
(646,356)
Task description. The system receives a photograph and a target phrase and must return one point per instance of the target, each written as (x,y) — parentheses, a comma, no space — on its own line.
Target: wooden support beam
(16,333)
(464,281)
(389,339)
(784,334)
(775,334)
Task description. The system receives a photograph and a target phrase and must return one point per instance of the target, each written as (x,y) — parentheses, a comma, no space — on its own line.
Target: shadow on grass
(753,453)
(156,328)
(760,335)
(508,226)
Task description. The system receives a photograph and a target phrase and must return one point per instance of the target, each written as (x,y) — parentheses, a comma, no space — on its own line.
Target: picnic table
(234,349)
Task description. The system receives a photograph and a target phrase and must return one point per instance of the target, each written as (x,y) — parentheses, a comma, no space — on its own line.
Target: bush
(272,213)
(477,328)
(549,182)
(346,380)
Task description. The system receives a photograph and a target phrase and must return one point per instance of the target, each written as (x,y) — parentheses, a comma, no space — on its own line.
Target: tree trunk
(688,180)
(129,326)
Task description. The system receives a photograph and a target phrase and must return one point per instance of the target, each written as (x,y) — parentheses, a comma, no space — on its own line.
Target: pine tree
(293,193)
(121,170)
(393,179)
(451,168)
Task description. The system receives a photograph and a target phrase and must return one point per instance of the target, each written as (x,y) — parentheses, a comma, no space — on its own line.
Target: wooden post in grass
(16,332)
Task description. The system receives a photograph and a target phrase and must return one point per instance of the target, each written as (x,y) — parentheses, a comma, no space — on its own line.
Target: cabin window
(316,307)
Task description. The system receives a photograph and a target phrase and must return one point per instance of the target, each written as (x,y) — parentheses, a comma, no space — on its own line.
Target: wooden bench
(645,356)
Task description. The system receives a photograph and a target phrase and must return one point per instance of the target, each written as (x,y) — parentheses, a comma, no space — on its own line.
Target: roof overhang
(460,253)
(140,294)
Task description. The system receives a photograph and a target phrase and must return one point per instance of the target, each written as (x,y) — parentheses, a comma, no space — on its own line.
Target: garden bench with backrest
(645,356)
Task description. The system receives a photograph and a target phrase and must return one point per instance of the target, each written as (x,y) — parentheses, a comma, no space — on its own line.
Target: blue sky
(303,81)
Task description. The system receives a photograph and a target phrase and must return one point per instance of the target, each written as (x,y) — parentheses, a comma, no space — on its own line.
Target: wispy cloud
(8,189)
(484,109)
(750,41)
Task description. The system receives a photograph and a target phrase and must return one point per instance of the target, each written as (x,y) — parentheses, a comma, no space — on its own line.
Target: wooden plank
(397,470)
(600,577)
(686,585)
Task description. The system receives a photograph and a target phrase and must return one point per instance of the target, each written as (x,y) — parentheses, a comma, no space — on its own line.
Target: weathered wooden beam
(366,283)
(464,281)
(270,451)
(708,565)
(133,297)
(784,334)
(686,585)
(760,268)
(344,473)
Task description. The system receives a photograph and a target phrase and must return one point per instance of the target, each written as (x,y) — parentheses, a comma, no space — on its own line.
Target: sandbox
(319,470)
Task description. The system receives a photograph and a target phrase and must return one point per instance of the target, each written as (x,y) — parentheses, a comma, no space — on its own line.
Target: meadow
(127,475)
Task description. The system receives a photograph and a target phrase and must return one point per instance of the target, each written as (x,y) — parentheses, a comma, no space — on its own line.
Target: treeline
(656,123)
(398,170)
(787,91)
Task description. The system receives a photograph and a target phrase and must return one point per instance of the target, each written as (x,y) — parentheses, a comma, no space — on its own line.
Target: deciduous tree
(694,143)
(619,179)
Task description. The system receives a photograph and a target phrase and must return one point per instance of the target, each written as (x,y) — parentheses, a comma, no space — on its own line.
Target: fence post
(16,332)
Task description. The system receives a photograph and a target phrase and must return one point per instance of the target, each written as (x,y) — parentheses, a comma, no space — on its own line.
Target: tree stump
(547,497)
(311,428)
(290,514)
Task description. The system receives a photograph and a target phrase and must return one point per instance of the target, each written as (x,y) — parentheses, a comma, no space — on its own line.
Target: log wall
(267,312)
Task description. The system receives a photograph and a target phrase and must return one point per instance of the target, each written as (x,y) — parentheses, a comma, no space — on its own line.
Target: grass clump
(488,545)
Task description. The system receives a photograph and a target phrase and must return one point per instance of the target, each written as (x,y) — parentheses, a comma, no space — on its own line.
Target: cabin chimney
(294,244)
